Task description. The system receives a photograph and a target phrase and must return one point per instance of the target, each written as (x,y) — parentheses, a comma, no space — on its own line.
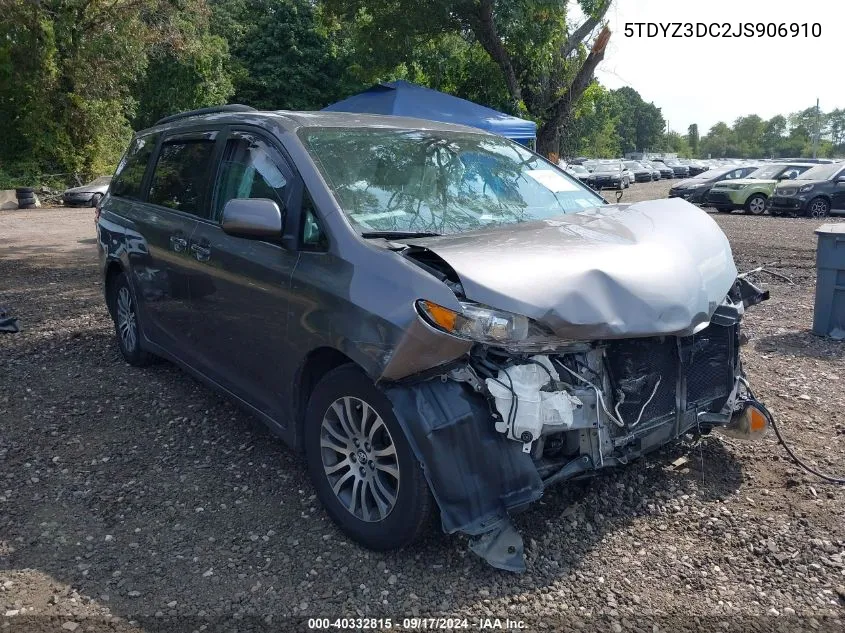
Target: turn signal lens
(443,317)
(756,420)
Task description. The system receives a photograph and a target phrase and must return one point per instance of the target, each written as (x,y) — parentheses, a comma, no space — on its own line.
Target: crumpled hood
(616,271)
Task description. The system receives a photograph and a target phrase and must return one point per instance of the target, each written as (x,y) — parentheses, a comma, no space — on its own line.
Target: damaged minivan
(443,321)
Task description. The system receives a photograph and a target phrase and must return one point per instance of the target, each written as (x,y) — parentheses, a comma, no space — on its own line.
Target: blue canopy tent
(403,98)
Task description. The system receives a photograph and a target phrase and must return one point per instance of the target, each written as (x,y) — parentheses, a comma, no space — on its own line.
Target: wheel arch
(113,268)
(317,363)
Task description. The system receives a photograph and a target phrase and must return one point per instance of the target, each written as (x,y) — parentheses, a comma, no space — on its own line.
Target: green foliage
(678,144)
(285,59)
(639,125)
(592,131)
(67,72)
(779,137)
(693,138)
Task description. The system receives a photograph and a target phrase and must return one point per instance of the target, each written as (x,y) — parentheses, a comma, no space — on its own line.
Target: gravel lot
(139,500)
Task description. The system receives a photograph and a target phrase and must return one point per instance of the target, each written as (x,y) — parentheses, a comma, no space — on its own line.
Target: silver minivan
(438,317)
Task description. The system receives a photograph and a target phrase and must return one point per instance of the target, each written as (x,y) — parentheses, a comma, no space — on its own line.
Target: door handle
(178,244)
(201,253)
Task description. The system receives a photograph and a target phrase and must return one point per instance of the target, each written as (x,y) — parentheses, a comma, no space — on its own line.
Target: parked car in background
(679,170)
(662,168)
(695,189)
(752,192)
(655,172)
(813,193)
(640,172)
(88,195)
(693,166)
(610,174)
(385,317)
(578,171)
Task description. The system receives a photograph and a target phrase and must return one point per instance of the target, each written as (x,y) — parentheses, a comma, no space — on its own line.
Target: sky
(707,80)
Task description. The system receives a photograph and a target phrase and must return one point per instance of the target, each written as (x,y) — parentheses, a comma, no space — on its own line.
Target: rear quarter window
(129,175)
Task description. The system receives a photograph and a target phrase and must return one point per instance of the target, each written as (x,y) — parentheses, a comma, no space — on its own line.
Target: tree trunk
(560,111)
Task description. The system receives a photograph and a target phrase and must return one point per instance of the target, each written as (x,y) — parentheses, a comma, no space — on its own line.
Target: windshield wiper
(397,235)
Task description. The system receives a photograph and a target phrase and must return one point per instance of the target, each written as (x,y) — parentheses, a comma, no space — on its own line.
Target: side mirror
(256,218)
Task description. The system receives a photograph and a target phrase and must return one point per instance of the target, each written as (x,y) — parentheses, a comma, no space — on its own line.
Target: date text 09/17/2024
(417,624)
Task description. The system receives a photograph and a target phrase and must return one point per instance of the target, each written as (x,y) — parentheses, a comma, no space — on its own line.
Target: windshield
(578,169)
(713,172)
(439,182)
(768,172)
(633,165)
(820,172)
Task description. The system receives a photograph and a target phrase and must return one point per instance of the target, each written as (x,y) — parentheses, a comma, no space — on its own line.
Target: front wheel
(361,464)
(818,208)
(756,204)
(95,199)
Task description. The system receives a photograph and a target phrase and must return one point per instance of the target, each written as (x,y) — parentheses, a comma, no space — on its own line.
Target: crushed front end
(502,424)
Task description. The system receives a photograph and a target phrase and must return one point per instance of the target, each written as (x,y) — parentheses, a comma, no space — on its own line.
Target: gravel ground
(139,500)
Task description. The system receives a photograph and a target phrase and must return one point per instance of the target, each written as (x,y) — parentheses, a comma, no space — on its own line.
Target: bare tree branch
(580,34)
(561,109)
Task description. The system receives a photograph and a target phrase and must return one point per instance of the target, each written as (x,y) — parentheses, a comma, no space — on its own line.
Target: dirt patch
(128,494)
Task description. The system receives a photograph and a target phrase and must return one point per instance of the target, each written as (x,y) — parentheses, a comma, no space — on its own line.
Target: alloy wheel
(359,459)
(818,209)
(127,324)
(757,205)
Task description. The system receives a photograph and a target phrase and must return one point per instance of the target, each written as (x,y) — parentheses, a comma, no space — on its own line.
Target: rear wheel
(756,204)
(361,464)
(95,199)
(818,208)
(126,325)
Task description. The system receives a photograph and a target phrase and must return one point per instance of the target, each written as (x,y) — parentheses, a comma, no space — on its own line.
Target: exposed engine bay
(540,417)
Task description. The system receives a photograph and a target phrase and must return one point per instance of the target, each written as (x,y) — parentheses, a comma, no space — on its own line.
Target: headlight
(480,323)
(806,188)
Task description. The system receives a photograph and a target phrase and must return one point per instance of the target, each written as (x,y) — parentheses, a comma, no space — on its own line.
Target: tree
(678,144)
(545,65)
(640,125)
(718,142)
(693,138)
(592,131)
(283,57)
(773,132)
(748,134)
(67,73)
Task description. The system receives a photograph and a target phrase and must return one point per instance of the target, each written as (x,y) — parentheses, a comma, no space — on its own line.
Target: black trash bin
(829,309)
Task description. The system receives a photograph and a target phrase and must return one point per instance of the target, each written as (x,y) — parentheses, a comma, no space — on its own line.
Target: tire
(374,521)
(818,208)
(28,205)
(27,200)
(95,199)
(24,191)
(756,204)
(127,326)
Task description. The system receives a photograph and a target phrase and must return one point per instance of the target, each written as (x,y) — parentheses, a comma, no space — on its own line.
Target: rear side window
(249,171)
(181,174)
(130,172)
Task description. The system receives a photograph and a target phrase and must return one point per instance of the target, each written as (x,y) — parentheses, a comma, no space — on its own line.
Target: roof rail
(235,107)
